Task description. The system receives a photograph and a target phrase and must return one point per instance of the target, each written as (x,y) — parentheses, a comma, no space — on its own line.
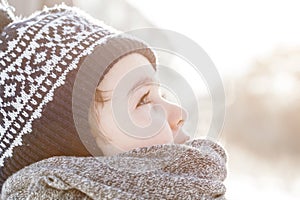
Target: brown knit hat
(40,58)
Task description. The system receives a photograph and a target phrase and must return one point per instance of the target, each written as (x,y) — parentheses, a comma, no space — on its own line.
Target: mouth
(183,141)
(184,137)
(188,138)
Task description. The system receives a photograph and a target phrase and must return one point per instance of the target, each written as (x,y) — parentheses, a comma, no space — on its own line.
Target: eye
(143,100)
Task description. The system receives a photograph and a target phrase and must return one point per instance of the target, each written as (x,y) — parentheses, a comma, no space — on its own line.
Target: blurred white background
(255,45)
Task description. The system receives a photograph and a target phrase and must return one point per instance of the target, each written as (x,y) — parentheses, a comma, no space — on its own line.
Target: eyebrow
(141,82)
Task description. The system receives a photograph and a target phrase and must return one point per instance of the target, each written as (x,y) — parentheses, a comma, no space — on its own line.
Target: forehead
(126,72)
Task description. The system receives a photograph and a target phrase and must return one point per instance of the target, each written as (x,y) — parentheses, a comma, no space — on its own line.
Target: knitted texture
(6,15)
(194,170)
(39,59)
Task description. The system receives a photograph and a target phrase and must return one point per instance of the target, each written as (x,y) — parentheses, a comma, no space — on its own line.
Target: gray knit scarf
(194,170)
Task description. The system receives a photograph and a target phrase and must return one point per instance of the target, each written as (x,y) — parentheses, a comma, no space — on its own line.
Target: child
(60,77)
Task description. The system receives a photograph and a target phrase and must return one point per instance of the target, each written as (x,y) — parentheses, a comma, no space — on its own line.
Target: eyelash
(142,99)
(145,96)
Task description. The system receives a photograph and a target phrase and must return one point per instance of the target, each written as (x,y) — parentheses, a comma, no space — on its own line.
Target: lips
(187,139)
(181,137)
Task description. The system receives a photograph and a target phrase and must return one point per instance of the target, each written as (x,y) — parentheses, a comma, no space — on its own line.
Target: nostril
(180,123)
(176,127)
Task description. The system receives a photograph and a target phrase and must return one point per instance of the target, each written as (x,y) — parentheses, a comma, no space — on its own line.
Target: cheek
(141,116)
(107,124)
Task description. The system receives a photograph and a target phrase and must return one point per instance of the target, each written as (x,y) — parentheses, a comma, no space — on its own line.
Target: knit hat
(40,60)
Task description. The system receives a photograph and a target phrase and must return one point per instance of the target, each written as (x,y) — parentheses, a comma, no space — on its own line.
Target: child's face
(138,108)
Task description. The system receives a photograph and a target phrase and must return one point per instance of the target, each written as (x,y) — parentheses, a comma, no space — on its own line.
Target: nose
(177,116)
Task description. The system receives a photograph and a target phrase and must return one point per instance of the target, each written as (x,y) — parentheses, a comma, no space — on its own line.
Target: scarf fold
(194,170)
